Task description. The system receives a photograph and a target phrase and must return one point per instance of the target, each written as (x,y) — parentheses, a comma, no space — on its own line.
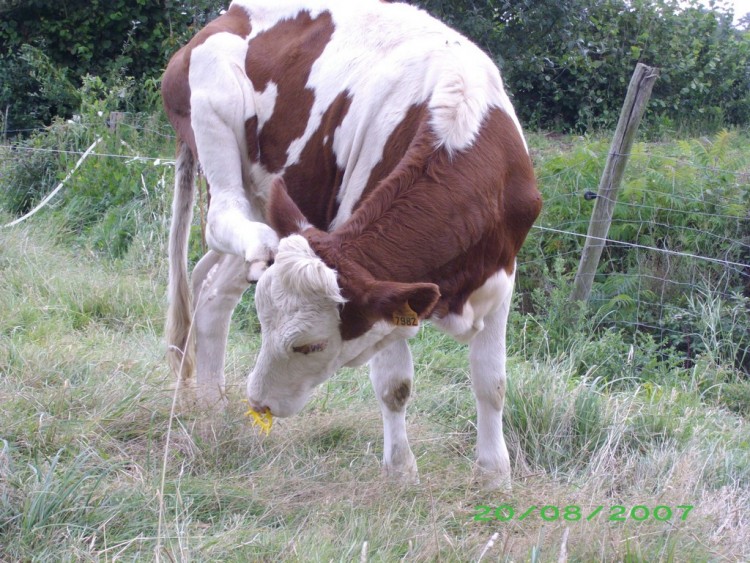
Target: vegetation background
(640,397)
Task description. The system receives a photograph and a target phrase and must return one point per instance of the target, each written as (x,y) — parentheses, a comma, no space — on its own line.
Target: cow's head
(314,318)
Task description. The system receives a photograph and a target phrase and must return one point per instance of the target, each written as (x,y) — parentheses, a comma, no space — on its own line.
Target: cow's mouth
(255,406)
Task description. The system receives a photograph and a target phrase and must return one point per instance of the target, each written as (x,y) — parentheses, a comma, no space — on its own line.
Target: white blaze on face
(298,301)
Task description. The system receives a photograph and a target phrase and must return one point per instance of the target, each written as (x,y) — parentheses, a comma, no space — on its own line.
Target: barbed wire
(644,247)
(162,160)
(621,201)
(119,124)
(539,178)
(166,161)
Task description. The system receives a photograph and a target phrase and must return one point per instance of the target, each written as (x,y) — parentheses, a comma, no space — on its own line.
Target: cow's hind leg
(392,373)
(487,359)
(219,280)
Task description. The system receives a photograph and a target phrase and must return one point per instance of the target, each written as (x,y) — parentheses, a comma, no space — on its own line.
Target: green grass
(593,416)
(86,400)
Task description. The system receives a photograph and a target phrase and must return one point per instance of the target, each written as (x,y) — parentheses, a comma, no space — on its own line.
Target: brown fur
(460,221)
(444,222)
(316,179)
(284,55)
(452,221)
(397,396)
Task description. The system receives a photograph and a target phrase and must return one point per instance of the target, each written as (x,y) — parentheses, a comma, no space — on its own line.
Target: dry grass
(86,401)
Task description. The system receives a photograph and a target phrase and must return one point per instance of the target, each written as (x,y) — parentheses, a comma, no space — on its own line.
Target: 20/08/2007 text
(573,512)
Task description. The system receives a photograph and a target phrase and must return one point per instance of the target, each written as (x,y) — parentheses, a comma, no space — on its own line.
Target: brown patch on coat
(451,220)
(284,55)
(314,181)
(175,86)
(396,147)
(397,396)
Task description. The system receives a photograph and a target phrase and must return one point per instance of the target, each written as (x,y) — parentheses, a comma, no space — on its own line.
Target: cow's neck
(441,218)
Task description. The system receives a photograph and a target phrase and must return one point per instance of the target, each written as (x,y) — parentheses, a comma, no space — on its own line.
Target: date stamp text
(574,513)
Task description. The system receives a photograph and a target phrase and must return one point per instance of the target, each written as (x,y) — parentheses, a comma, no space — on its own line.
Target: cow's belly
(495,293)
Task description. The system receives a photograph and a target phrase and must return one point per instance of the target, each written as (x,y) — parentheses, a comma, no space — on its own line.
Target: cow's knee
(234,228)
(396,395)
(391,372)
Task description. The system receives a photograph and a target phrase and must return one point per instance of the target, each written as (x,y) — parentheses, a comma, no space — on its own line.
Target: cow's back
(340,90)
(352,84)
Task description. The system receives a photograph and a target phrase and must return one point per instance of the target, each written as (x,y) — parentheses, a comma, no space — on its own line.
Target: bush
(663,310)
(22,104)
(68,41)
(109,199)
(569,63)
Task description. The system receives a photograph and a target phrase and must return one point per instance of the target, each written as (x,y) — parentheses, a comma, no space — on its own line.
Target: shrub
(569,63)
(686,198)
(110,197)
(74,39)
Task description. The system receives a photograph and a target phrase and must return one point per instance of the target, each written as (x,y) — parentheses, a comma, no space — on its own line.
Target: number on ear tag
(405,317)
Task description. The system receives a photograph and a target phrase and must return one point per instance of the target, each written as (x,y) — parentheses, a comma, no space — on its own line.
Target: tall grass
(86,402)
(593,418)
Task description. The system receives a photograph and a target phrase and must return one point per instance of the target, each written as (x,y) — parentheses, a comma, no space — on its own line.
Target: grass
(593,418)
(86,399)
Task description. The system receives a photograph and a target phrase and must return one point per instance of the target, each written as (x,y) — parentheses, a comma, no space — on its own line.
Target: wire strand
(644,247)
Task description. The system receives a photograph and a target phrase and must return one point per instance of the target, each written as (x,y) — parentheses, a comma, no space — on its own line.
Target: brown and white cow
(366,167)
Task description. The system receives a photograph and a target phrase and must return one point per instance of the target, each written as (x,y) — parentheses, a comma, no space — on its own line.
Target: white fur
(265,103)
(298,301)
(222,99)
(485,300)
(388,57)
(301,271)
(390,368)
(410,59)
(219,280)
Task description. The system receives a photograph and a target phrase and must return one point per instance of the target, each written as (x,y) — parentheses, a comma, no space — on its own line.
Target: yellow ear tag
(405,317)
(264,420)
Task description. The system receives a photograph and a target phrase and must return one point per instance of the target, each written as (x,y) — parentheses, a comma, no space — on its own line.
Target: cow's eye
(310,348)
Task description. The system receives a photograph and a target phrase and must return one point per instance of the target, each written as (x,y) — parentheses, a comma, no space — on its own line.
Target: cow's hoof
(401,477)
(406,474)
(492,480)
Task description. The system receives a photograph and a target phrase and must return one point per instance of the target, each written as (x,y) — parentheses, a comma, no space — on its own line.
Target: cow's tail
(180,342)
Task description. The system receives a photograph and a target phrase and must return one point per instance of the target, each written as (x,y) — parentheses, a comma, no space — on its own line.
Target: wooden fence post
(639,92)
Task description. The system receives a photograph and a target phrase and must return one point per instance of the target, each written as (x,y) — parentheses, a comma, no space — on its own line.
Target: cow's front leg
(222,104)
(392,373)
(487,359)
(219,280)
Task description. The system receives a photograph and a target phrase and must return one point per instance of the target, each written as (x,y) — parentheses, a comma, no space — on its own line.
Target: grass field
(86,474)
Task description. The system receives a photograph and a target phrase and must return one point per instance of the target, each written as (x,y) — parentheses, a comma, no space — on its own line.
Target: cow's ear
(403,304)
(282,213)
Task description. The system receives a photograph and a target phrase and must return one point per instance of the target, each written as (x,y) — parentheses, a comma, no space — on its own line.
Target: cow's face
(297,300)
(311,326)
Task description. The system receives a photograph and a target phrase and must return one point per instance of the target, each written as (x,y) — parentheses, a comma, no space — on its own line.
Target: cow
(367,171)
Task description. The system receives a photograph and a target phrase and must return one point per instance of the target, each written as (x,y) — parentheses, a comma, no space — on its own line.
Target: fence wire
(660,270)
